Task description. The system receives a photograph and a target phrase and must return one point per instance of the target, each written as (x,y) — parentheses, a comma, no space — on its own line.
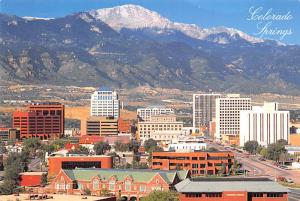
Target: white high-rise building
(264,124)
(105,102)
(145,114)
(204,109)
(228,115)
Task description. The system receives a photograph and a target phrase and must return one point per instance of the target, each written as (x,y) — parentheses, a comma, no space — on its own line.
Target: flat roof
(218,185)
(33,173)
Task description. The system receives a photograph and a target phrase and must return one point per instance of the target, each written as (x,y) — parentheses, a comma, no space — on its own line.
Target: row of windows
(112,185)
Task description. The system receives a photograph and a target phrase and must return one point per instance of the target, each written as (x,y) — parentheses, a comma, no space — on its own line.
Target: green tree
(101,147)
(13,166)
(251,146)
(119,146)
(104,192)
(32,146)
(222,171)
(2,148)
(162,196)
(80,150)
(276,149)
(87,191)
(44,180)
(148,144)
(153,149)
(264,152)
(212,149)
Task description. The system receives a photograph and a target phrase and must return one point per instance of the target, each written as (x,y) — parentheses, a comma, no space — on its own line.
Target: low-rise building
(198,162)
(9,134)
(127,183)
(187,147)
(231,189)
(93,139)
(158,124)
(69,162)
(145,114)
(102,126)
(31,179)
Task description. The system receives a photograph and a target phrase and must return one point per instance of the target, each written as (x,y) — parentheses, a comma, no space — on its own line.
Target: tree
(101,147)
(32,145)
(104,192)
(80,150)
(162,196)
(222,171)
(2,148)
(119,146)
(282,142)
(44,180)
(251,146)
(213,149)
(153,149)
(148,144)
(13,166)
(264,152)
(275,149)
(87,191)
(134,146)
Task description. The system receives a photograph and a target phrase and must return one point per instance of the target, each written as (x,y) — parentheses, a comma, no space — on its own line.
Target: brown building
(56,163)
(231,189)
(198,162)
(102,126)
(124,126)
(127,184)
(9,134)
(41,120)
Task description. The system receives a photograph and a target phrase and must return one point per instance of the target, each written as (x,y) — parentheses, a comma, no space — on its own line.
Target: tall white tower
(105,102)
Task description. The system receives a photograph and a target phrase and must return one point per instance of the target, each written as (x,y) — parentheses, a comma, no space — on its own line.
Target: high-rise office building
(228,116)
(204,109)
(105,102)
(264,124)
(145,113)
(44,120)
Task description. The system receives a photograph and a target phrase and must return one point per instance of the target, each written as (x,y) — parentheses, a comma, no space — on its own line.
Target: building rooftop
(104,88)
(141,175)
(45,103)
(218,185)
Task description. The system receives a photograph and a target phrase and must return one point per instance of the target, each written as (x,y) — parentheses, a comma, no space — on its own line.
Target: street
(255,167)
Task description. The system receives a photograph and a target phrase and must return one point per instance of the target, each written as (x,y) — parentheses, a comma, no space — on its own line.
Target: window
(112,184)
(142,188)
(95,184)
(127,185)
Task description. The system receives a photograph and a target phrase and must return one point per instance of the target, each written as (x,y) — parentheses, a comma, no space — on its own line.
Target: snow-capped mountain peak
(137,17)
(130,16)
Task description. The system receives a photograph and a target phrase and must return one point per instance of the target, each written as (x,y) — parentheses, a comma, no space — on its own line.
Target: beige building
(165,137)
(159,126)
(103,126)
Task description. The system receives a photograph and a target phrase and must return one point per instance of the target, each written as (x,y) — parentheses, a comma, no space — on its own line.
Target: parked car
(289,180)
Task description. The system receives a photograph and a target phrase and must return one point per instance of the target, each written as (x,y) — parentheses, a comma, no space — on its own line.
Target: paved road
(265,169)
(294,195)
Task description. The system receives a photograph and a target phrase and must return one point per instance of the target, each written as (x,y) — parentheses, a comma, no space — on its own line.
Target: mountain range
(128,46)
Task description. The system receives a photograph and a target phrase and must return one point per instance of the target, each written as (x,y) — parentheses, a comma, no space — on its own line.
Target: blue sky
(205,13)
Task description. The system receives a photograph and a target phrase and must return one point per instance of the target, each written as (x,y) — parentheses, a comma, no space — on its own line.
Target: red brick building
(231,189)
(124,126)
(41,120)
(56,163)
(93,139)
(198,162)
(31,179)
(128,183)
